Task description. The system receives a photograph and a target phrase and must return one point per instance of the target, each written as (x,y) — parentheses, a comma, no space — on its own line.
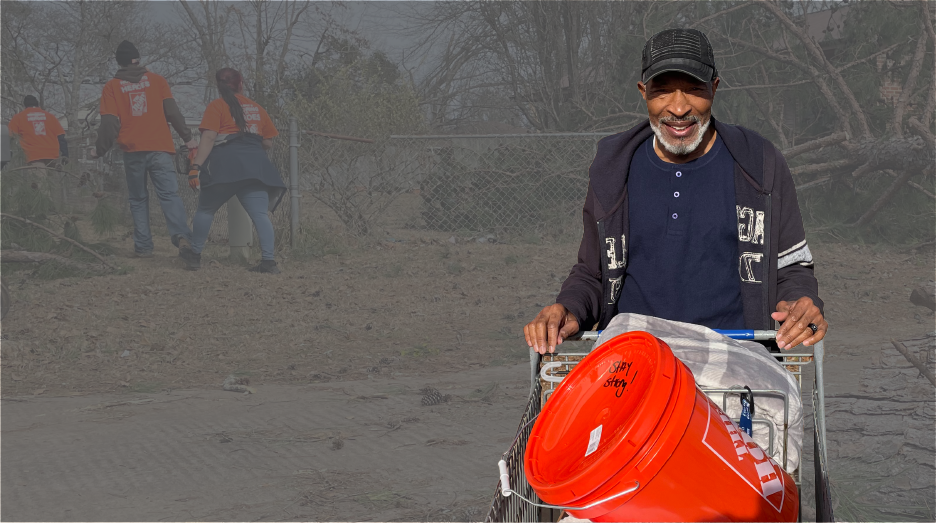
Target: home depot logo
(744,457)
(138,103)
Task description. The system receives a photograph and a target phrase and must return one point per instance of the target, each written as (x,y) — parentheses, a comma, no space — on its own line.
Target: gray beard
(681,149)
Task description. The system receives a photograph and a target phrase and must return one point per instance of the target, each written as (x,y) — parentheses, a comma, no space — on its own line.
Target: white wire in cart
(506,492)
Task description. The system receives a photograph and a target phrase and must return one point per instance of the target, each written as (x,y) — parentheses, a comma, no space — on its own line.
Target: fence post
(293,181)
(240,231)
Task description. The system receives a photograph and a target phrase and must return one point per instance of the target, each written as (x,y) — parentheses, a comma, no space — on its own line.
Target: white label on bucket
(594,438)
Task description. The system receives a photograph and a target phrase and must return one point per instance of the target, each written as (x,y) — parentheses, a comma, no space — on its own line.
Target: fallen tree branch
(44,168)
(886,197)
(43,257)
(920,128)
(820,167)
(915,186)
(818,181)
(59,236)
(814,144)
(901,348)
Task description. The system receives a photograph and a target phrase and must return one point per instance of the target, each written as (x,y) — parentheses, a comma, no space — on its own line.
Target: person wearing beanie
(136,109)
(40,134)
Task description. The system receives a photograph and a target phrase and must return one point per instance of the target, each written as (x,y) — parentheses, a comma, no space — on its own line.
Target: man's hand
(192,144)
(193,178)
(552,325)
(796,317)
(93,153)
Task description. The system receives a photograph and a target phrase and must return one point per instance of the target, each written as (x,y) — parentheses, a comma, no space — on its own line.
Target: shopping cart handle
(747,334)
(504,478)
(742,334)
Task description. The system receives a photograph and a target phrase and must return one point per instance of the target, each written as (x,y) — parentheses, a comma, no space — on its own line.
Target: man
(135,107)
(43,140)
(40,134)
(688,218)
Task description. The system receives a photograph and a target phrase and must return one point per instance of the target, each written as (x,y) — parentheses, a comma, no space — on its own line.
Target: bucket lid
(600,418)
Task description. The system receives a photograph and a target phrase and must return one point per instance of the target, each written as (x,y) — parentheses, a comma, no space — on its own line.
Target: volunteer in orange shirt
(232,161)
(40,134)
(43,140)
(136,110)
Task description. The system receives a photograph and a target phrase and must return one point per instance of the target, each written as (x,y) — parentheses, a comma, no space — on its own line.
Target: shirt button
(675,216)
(679,174)
(676,194)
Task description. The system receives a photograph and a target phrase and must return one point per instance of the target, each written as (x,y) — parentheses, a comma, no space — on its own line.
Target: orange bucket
(629,416)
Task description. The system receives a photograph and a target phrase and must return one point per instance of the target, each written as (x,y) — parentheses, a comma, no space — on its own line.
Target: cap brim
(697,70)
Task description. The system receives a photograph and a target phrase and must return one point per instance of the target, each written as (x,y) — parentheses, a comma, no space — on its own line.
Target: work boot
(267,266)
(192,260)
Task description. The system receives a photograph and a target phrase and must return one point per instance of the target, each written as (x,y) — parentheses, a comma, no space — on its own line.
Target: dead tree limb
(820,167)
(925,296)
(901,348)
(59,236)
(797,150)
(920,128)
(886,197)
(916,186)
(43,257)
(818,181)
(44,168)
(909,85)
(819,56)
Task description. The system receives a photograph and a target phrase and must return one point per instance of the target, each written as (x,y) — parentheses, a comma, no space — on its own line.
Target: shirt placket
(678,207)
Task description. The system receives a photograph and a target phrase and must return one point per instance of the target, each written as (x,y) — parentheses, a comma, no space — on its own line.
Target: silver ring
(813,327)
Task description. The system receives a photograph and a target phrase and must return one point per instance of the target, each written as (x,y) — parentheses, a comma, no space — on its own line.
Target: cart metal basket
(515,500)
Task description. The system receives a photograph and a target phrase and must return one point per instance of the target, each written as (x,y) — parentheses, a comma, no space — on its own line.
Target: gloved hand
(193,177)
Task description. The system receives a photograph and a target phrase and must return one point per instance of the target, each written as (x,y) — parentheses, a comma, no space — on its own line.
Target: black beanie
(30,101)
(126,52)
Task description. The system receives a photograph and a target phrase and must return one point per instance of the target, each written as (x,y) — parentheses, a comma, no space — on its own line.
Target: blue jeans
(163,175)
(255,199)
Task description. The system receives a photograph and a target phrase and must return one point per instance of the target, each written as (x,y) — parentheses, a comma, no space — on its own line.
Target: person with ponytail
(231,160)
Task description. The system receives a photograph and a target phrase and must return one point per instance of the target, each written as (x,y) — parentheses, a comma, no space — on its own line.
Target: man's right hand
(192,144)
(552,325)
(93,153)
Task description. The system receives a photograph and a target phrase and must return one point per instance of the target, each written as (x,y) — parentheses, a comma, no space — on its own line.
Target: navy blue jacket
(774,264)
(241,157)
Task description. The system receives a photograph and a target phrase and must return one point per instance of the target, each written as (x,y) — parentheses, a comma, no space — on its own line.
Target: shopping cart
(515,500)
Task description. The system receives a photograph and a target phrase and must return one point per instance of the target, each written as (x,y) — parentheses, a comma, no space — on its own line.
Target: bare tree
(553,65)
(62,50)
(209,23)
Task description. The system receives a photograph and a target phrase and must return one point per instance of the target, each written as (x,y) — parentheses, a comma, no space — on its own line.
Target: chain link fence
(465,183)
(106,178)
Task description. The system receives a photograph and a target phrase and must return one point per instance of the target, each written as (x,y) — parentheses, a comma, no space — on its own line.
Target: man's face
(680,110)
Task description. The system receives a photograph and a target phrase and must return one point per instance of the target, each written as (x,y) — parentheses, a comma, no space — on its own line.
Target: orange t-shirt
(218,118)
(139,106)
(38,131)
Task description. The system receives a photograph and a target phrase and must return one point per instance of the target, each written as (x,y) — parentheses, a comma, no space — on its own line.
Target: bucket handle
(506,492)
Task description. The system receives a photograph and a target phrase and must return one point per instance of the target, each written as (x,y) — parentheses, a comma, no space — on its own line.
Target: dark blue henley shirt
(682,253)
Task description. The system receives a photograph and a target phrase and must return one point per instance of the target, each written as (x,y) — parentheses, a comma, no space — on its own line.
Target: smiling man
(688,218)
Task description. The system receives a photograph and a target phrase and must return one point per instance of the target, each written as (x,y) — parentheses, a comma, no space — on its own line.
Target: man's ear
(643,90)
(715,84)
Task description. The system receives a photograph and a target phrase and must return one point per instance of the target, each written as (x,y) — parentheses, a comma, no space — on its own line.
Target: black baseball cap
(683,50)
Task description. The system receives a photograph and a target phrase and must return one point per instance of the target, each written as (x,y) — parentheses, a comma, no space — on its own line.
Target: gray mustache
(686,120)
